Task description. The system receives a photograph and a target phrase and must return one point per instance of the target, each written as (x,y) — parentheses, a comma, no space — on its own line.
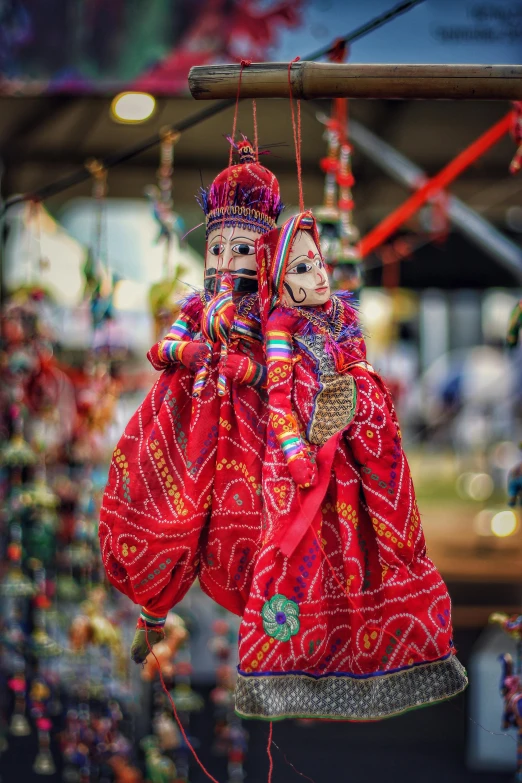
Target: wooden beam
(332,80)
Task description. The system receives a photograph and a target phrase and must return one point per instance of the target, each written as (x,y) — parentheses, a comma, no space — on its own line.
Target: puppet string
(269,753)
(488,731)
(191,230)
(204,370)
(291,765)
(175,712)
(254,120)
(244,64)
(296,128)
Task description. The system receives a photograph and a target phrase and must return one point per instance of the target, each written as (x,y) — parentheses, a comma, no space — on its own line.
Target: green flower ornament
(280,618)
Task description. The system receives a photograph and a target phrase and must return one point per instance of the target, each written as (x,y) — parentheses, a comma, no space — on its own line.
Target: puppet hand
(243,370)
(303,471)
(193,355)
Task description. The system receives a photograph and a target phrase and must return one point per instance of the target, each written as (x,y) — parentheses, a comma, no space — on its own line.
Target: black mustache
(291,294)
(240,285)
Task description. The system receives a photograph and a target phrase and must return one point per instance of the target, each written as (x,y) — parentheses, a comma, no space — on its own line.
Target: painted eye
(300,269)
(243,249)
(216,249)
(319,263)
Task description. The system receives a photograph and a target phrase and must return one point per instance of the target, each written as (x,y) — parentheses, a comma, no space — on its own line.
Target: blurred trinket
(123,771)
(186,699)
(68,589)
(43,646)
(167,732)
(159,768)
(511,624)
(19,726)
(44,764)
(514,326)
(16,584)
(17,453)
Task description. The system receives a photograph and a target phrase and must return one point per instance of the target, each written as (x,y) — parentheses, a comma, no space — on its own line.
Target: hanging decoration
(99,278)
(164,295)
(511,681)
(230,736)
(337,230)
(49,539)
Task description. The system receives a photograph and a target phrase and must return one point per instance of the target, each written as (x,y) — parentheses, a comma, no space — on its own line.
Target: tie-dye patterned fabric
(347,616)
(183,497)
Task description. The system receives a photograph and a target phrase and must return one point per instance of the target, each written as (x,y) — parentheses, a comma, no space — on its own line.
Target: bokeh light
(504,524)
(133,107)
(475,486)
(505,454)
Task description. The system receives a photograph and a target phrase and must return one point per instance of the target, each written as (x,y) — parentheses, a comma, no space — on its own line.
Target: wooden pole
(341,80)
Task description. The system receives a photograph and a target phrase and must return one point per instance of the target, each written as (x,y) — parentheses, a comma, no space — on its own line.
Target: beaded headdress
(245,194)
(273,255)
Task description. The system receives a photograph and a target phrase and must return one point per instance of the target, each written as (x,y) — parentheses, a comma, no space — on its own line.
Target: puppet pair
(267,462)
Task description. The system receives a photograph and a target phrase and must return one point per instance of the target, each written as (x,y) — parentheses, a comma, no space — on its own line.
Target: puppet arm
(243,370)
(280,364)
(375,439)
(178,345)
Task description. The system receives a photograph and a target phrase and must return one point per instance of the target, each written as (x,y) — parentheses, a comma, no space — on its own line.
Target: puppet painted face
(232,249)
(306,282)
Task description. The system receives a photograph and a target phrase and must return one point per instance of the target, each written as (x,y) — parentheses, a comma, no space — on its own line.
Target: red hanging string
(254,118)
(269,752)
(244,64)
(175,712)
(296,128)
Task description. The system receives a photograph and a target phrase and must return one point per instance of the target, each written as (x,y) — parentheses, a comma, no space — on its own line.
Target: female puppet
(187,463)
(347,617)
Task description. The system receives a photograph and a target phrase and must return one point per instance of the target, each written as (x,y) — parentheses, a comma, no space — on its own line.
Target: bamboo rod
(332,80)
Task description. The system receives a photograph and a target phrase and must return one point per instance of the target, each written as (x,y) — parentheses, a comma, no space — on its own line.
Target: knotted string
(296,128)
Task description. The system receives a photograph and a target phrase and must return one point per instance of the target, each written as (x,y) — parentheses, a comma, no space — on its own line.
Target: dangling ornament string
(296,128)
(269,752)
(164,180)
(301,774)
(175,713)
(99,193)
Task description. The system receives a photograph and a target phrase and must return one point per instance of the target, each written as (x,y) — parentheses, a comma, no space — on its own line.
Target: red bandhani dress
(347,617)
(183,496)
